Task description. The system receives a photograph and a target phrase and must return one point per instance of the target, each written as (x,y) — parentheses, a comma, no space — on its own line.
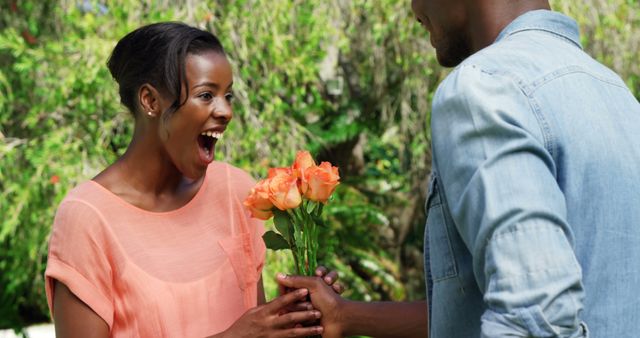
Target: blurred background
(349,80)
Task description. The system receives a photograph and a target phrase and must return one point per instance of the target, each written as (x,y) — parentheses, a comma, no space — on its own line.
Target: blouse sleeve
(77,258)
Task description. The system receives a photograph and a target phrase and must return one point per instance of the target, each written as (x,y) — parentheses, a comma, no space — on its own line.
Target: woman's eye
(229,97)
(206,96)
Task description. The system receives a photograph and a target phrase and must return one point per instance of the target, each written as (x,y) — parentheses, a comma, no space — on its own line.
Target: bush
(351,81)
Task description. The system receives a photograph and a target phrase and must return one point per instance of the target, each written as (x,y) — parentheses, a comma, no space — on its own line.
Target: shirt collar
(544,20)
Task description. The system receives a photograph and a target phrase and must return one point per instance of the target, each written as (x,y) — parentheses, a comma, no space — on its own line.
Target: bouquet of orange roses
(294,197)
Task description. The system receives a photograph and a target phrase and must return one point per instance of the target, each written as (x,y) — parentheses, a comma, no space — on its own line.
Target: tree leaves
(64,120)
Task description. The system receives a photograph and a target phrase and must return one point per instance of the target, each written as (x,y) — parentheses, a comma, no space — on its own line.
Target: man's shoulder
(526,54)
(477,76)
(531,59)
(487,83)
(499,61)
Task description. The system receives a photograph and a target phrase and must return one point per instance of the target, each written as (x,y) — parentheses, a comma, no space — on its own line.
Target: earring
(150,114)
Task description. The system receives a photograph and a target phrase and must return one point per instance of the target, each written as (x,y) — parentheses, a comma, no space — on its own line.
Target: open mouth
(206,143)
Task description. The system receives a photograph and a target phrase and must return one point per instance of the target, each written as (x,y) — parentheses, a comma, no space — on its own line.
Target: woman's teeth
(214,134)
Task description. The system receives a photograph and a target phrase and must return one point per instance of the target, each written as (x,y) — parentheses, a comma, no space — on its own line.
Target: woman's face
(189,136)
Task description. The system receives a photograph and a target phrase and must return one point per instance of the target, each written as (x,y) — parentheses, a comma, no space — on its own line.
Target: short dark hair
(156,54)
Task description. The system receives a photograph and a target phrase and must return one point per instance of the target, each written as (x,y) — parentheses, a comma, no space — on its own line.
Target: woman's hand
(268,320)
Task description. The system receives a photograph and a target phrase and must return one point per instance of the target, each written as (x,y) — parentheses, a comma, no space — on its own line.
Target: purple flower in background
(88,6)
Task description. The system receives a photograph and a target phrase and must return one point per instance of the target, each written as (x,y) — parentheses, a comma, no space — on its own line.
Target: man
(533,225)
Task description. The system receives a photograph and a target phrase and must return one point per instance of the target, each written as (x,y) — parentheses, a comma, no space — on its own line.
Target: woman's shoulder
(87,193)
(80,212)
(87,205)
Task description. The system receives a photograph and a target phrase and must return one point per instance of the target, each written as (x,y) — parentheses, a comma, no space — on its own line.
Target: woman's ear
(149,100)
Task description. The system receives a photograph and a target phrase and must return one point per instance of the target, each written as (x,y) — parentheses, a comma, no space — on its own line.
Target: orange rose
(303,162)
(278,171)
(261,214)
(258,201)
(283,188)
(322,181)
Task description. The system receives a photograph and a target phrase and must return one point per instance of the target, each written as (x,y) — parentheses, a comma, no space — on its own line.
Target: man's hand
(323,298)
(329,277)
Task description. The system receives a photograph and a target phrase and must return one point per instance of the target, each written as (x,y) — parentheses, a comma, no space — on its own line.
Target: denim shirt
(533,226)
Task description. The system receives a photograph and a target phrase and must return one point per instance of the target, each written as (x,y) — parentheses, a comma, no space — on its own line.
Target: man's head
(459,28)
(447,23)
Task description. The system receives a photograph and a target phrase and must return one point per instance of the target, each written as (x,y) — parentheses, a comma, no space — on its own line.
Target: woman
(159,243)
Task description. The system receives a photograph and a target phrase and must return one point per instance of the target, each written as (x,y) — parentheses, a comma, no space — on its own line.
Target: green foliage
(351,81)
(275,241)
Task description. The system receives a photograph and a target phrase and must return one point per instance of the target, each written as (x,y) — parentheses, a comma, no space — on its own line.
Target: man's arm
(494,154)
(385,319)
(341,317)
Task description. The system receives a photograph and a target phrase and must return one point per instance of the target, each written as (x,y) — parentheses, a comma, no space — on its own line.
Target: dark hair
(156,54)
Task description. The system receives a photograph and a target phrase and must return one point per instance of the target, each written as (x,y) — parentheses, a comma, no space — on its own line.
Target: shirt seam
(531,88)
(535,272)
(519,228)
(443,208)
(562,35)
(548,139)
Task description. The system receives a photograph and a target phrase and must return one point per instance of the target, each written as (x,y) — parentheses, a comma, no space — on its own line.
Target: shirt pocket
(239,251)
(441,258)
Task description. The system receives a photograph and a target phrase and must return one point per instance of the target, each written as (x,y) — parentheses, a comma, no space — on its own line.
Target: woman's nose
(222,110)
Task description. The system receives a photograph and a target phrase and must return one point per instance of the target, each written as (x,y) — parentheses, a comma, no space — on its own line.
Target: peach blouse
(190,272)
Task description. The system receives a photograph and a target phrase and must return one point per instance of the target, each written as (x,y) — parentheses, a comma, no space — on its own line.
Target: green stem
(317,213)
(301,233)
(305,230)
(293,235)
(308,239)
(311,242)
(314,244)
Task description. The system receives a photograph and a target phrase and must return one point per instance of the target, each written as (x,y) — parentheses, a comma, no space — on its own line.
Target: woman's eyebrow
(209,84)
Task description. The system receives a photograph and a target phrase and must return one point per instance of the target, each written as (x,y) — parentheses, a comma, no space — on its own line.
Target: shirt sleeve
(492,154)
(77,258)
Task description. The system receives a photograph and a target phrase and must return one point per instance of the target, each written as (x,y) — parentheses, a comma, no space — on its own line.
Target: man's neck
(488,18)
